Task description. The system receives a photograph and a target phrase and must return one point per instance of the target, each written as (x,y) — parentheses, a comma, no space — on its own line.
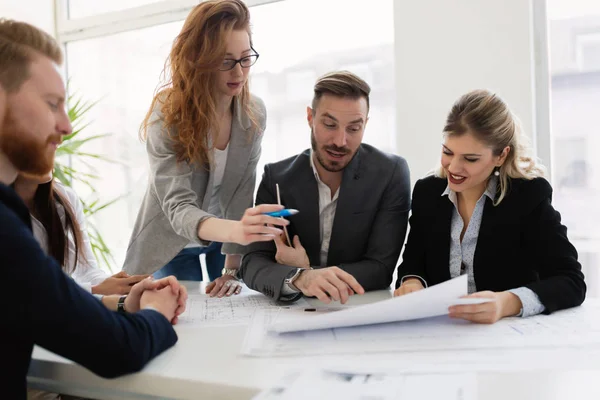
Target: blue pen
(283,213)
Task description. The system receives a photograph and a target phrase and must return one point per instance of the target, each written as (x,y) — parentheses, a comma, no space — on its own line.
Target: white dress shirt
(327,208)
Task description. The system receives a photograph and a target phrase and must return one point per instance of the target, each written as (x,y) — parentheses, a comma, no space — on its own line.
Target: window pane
(358,38)
(123,81)
(86,8)
(575,78)
(294,52)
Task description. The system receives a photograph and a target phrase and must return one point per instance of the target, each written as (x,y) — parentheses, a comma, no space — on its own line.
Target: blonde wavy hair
(188,99)
(487,117)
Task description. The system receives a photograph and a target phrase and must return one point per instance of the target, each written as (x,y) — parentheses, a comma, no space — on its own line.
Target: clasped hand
(166,295)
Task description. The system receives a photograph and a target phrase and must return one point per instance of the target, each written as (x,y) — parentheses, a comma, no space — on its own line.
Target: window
(574,38)
(122,81)
(121,71)
(86,8)
(588,52)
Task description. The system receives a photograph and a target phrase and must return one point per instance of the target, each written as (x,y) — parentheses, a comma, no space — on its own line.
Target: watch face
(292,273)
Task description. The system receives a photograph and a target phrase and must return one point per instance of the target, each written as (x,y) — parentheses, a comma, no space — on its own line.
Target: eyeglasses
(245,62)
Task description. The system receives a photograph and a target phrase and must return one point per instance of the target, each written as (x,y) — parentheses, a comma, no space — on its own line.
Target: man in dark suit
(353,201)
(47,308)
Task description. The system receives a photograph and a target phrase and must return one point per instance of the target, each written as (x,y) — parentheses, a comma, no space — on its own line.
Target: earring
(497,171)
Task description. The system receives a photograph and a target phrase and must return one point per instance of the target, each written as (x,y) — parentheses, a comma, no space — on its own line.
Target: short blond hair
(20,42)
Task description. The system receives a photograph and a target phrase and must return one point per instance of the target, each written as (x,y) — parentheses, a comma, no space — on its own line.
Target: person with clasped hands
(47,308)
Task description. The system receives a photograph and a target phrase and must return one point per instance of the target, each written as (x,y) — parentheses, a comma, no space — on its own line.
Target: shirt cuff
(531,302)
(98,296)
(423,281)
(87,286)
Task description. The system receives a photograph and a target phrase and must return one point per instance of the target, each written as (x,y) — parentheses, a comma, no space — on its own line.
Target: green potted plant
(72,148)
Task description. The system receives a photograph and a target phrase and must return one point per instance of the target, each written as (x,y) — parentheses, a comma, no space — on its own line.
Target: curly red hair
(188,100)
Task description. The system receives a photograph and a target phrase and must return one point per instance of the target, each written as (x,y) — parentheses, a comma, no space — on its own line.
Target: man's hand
(328,283)
(120,283)
(225,285)
(409,286)
(133,300)
(293,256)
(505,304)
(163,300)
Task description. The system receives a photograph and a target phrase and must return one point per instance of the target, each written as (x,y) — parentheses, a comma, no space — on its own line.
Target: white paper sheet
(202,310)
(577,327)
(424,303)
(371,385)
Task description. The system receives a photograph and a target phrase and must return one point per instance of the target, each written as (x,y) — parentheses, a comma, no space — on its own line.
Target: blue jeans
(186,265)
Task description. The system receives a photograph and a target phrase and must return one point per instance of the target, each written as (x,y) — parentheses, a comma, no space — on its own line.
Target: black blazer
(47,308)
(521,243)
(369,225)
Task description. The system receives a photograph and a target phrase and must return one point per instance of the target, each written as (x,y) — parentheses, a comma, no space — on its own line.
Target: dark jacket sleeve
(259,270)
(413,258)
(58,315)
(376,269)
(561,284)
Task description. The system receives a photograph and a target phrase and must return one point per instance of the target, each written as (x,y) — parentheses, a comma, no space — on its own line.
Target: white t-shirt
(220,159)
(86,274)
(217,171)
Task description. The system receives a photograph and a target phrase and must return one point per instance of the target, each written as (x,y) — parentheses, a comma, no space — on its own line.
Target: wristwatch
(121,304)
(292,276)
(230,271)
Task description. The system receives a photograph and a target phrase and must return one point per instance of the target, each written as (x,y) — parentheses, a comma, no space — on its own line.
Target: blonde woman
(487,212)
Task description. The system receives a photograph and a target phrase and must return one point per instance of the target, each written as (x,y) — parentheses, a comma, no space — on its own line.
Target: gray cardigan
(179,193)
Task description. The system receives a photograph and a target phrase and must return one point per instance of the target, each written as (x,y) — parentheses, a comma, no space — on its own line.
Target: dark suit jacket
(369,225)
(521,243)
(43,306)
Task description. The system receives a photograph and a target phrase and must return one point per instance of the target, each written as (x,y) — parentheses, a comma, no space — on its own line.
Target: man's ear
(309,116)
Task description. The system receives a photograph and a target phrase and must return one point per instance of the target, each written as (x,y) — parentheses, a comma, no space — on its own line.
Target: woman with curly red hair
(203,136)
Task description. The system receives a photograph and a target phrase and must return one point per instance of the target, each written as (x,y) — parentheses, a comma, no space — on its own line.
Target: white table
(205,364)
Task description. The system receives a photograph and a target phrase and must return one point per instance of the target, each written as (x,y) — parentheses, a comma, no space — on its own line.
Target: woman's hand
(503,304)
(408,286)
(253,225)
(225,285)
(120,283)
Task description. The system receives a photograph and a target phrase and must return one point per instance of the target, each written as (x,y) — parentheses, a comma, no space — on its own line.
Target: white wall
(446,48)
(36,12)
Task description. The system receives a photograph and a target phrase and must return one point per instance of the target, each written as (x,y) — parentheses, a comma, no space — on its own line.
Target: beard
(330,165)
(26,153)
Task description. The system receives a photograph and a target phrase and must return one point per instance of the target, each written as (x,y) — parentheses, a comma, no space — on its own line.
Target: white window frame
(165,11)
(580,41)
(68,30)
(542,130)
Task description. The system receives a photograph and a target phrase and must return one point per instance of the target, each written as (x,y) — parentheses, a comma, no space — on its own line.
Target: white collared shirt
(327,208)
(462,252)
